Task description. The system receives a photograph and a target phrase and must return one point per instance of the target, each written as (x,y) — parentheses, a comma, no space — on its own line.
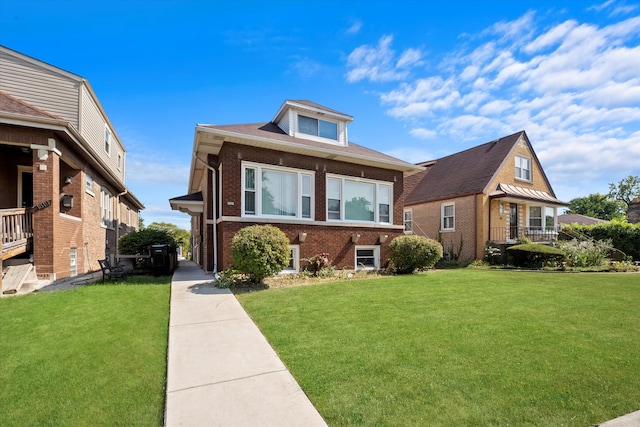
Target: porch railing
(535,234)
(17,229)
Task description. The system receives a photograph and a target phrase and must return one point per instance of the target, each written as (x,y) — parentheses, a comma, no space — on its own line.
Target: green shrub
(535,255)
(492,255)
(412,252)
(623,236)
(585,253)
(260,251)
(138,242)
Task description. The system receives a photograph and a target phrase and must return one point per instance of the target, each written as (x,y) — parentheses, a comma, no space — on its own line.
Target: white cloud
(355,27)
(422,133)
(305,67)
(378,64)
(573,86)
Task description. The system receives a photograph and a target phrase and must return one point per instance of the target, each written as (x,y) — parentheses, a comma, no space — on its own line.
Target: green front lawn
(461,347)
(95,355)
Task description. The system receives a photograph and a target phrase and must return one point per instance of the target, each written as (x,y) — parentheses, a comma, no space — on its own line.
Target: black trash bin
(163,259)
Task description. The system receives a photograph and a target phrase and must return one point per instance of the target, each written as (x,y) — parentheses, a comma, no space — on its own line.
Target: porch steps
(14,276)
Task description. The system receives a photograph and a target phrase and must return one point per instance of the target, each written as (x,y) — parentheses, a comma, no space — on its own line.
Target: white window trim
(376,256)
(519,178)
(108,140)
(88,184)
(376,207)
(543,223)
(317,138)
(404,220)
(442,206)
(106,203)
(258,191)
(119,164)
(295,249)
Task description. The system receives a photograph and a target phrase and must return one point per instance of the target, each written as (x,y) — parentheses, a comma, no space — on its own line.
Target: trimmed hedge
(624,236)
(412,252)
(260,251)
(534,255)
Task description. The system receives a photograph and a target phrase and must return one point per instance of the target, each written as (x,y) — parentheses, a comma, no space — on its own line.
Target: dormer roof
(312,107)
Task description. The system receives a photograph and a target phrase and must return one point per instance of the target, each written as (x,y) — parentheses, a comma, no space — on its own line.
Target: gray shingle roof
(463,173)
(10,104)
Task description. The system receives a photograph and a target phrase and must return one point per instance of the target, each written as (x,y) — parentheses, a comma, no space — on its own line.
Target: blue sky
(422,79)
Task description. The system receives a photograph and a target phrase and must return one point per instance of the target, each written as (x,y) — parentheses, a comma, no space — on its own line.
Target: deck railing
(535,234)
(16,227)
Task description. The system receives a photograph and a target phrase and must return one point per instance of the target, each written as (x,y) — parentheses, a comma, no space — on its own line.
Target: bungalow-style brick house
(63,202)
(299,173)
(494,192)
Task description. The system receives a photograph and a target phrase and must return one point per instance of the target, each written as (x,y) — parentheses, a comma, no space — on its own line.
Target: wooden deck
(16,234)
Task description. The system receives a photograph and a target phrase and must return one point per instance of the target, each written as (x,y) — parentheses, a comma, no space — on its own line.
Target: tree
(140,223)
(138,242)
(181,236)
(626,190)
(597,206)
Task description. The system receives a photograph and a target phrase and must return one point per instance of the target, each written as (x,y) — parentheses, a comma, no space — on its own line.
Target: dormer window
(316,127)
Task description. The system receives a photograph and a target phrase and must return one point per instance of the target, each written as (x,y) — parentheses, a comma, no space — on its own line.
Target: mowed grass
(461,347)
(91,356)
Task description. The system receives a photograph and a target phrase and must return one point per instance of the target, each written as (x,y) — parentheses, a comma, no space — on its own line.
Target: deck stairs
(16,278)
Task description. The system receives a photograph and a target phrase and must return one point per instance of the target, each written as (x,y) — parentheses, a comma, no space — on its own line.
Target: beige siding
(93,131)
(40,87)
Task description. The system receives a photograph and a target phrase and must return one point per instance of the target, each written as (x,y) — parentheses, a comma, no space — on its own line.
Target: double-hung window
(408,222)
(448,216)
(542,218)
(107,141)
(351,199)
(535,217)
(272,191)
(106,208)
(317,127)
(549,218)
(523,168)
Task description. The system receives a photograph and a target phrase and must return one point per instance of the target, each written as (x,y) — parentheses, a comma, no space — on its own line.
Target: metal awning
(508,190)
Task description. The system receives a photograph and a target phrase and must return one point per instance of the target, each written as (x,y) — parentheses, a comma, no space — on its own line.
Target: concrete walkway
(221,369)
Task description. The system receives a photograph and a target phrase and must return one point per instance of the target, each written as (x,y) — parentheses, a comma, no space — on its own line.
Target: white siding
(284,123)
(40,87)
(92,130)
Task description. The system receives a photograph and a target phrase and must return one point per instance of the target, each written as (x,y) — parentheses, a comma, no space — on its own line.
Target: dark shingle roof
(466,172)
(10,104)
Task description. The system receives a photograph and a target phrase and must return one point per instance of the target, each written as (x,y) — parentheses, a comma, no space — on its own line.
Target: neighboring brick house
(633,213)
(495,192)
(63,201)
(299,173)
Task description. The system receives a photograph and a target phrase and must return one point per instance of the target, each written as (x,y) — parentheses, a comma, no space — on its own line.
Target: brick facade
(322,237)
(56,228)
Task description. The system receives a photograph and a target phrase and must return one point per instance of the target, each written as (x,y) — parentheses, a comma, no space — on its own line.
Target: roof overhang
(63,127)
(191,204)
(517,192)
(208,140)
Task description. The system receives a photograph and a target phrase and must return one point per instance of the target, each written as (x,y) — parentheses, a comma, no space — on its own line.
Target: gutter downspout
(215,219)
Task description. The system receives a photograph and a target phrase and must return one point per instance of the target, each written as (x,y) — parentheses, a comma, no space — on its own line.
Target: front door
(513,220)
(25,187)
